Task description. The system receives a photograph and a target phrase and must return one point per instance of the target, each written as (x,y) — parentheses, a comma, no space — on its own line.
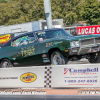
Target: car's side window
(31,38)
(15,43)
(23,40)
(27,39)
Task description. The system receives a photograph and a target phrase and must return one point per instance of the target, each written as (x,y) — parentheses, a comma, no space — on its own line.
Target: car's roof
(34,32)
(9,42)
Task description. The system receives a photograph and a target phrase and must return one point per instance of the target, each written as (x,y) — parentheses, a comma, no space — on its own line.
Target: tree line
(21,11)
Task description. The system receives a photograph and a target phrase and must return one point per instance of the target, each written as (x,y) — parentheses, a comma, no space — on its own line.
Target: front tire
(94,57)
(58,59)
(5,63)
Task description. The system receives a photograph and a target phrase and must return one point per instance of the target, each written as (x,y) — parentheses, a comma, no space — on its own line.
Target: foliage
(4,1)
(92,12)
(69,10)
(21,11)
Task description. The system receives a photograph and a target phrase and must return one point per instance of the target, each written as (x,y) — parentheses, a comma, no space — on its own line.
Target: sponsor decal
(94,50)
(19,55)
(13,58)
(44,55)
(15,63)
(49,44)
(28,77)
(46,60)
(88,30)
(58,42)
(72,70)
(5,38)
(41,33)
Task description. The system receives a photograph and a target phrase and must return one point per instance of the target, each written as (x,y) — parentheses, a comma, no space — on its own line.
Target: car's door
(43,55)
(27,50)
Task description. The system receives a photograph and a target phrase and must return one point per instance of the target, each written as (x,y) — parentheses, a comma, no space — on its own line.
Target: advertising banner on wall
(76,76)
(22,77)
(88,30)
(62,76)
(5,38)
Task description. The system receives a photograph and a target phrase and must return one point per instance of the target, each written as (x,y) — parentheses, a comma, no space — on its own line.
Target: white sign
(22,77)
(76,76)
(81,75)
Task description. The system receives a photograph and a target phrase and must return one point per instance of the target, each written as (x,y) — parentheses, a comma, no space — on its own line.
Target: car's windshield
(52,34)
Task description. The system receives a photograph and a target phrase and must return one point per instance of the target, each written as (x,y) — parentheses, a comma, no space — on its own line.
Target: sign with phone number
(77,76)
(81,81)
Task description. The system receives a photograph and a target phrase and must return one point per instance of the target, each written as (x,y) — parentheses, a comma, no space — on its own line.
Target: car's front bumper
(83,50)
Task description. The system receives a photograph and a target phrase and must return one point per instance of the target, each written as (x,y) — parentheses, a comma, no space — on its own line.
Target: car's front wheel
(5,63)
(58,59)
(94,57)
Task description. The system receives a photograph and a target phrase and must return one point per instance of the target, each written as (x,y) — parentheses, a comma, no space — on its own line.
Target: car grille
(87,42)
(86,50)
(97,40)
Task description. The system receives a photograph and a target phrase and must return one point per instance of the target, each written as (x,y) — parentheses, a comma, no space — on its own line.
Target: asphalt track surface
(82,61)
(55,97)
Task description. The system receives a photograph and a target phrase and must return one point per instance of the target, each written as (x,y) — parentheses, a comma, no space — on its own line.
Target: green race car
(51,46)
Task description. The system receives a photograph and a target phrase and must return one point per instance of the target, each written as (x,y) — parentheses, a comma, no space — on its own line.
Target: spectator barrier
(63,76)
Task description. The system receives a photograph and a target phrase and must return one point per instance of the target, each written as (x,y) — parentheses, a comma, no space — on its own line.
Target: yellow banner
(5,38)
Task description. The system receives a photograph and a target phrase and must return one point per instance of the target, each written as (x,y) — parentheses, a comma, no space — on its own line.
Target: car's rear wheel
(94,57)
(58,59)
(5,63)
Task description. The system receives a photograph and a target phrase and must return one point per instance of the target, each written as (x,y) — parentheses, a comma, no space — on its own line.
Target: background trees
(21,11)
(4,1)
(92,12)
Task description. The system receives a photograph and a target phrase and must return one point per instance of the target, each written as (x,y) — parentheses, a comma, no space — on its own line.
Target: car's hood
(73,38)
(80,37)
(84,37)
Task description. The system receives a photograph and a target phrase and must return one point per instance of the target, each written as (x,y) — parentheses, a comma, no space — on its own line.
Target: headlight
(74,44)
(77,43)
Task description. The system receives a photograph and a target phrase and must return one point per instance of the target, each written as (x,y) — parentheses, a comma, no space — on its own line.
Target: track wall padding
(63,76)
